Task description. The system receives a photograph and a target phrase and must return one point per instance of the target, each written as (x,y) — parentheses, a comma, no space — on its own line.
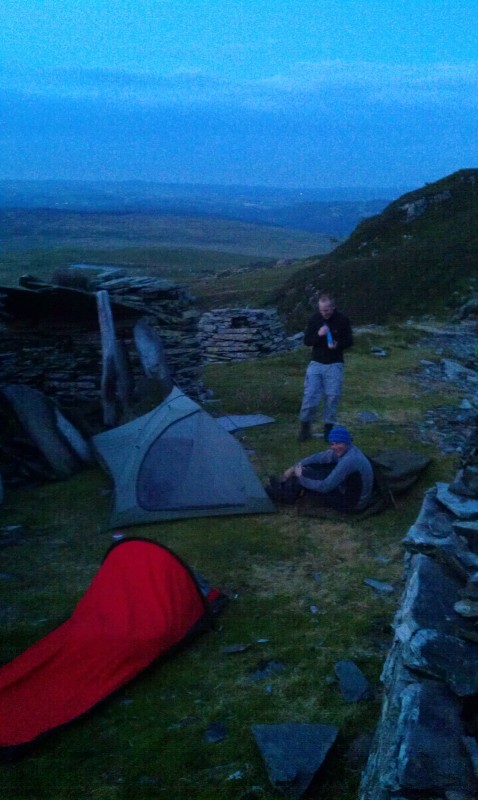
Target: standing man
(329,333)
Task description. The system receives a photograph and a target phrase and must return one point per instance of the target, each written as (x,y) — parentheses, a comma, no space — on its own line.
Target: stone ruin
(102,344)
(93,343)
(50,332)
(238,334)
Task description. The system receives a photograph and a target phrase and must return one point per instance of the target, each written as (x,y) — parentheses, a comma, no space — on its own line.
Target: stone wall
(238,334)
(51,338)
(426,743)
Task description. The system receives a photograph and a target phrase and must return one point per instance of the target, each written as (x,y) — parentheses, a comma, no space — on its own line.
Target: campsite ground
(296,597)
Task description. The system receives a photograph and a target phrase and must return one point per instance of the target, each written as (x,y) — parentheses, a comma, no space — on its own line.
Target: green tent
(176,462)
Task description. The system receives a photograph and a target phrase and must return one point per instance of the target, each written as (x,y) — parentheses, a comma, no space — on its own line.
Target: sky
(290,93)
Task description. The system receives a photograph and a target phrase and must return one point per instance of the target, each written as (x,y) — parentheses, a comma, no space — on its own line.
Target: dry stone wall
(238,334)
(426,743)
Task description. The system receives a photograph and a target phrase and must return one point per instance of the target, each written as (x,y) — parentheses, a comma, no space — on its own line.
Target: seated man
(340,477)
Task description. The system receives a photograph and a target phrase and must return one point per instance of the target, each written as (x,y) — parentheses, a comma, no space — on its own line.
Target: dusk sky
(292,93)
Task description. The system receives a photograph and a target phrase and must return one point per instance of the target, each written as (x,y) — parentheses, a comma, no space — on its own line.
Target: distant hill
(333,212)
(23,229)
(419,256)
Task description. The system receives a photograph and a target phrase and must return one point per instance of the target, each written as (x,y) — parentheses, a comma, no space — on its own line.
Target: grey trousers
(322,381)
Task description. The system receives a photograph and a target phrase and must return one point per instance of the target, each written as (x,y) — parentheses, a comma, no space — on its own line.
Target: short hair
(326,297)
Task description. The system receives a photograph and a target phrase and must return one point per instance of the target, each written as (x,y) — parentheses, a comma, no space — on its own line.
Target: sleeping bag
(142,602)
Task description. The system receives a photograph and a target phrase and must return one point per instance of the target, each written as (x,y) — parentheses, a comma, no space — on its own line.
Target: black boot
(327,428)
(305,432)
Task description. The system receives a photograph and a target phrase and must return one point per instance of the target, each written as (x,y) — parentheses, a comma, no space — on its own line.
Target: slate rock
(431,528)
(293,752)
(379,586)
(469,530)
(444,657)
(232,649)
(467,483)
(466,608)
(455,371)
(63,447)
(462,507)
(432,757)
(215,732)
(422,606)
(353,684)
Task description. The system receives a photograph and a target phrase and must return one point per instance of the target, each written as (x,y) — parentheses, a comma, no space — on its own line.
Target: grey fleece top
(353,460)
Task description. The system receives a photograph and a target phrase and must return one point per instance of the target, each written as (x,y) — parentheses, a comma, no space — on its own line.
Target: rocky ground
(449,427)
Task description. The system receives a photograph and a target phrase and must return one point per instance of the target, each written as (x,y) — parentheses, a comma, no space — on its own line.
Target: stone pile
(239,334)
(51,339)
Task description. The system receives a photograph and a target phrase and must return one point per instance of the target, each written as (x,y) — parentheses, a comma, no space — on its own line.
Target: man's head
(326,305)
(340,440)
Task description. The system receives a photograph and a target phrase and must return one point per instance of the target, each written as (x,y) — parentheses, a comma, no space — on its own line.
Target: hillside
(417,257)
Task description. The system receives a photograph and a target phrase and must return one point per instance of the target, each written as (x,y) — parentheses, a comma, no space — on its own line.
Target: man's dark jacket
(341,330)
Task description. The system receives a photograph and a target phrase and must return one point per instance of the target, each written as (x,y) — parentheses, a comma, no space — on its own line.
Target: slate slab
(215,732)
(431,528)
(469,530)
(462,507)
(236,422)
(432,756)
(445,657)
(422,606)
(293,752)
(380,587)
(353,684)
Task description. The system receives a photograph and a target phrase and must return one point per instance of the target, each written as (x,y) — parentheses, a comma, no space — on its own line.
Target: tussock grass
(147,741)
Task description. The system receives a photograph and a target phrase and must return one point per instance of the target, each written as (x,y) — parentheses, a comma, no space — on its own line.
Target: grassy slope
(391,268)
(147,741)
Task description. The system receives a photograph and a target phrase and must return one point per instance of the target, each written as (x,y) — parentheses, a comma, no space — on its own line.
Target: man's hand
(323,331)
(292,471)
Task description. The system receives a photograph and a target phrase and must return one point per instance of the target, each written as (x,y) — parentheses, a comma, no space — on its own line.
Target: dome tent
(177,462)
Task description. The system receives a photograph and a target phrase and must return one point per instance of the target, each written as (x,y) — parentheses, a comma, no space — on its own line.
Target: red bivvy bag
(142,602)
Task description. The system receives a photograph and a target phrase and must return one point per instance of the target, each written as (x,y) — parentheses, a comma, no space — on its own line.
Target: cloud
(378,83)
(304,86)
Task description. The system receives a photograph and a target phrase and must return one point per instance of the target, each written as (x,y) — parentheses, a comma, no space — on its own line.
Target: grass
(393,268)
(179,264)
(215,278)
(147,741)
(49,229)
